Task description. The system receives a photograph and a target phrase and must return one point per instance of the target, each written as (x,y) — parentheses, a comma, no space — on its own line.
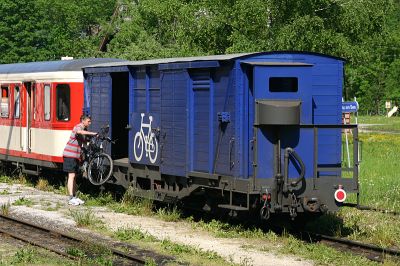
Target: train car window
(5,102)
(17,102)
(283,84)
(47,102)
(63,102)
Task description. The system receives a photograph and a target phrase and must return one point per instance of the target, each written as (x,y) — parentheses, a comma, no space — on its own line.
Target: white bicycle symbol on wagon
(148,142)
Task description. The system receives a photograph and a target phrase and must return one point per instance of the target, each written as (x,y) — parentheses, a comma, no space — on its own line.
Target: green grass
(43,184)
(226,230)
(5,208)
(5,179)
(134,234)
(84,217)
(379,179)
(5,192)
(379,171)
(322,254)
(168,215)
(30,255)
(92,254)
(23,202)
(382,122)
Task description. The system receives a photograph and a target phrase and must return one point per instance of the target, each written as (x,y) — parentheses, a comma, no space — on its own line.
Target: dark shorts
(71,165)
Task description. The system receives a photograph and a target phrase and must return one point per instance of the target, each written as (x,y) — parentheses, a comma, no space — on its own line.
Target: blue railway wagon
(255,131)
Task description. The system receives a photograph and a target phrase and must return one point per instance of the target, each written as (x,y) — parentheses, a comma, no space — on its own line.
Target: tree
(48,29)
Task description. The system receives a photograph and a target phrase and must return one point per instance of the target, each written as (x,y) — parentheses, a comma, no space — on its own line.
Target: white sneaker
(73,202)
(81,202)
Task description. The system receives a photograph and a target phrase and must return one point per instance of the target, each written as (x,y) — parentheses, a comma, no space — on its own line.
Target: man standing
(72,153)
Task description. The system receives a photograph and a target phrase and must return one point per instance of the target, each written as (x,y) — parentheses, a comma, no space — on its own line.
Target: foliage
(46,30)
(5,208)
(365,33)
(43,184)
(25,255)
(133,233)
(168,214)
(23,202)
(84,217)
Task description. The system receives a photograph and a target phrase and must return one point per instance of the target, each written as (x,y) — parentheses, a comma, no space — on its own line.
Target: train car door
(282,92)
(29,114)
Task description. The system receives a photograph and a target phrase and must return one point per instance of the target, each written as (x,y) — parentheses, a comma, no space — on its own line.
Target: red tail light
(340,194)
(266,197)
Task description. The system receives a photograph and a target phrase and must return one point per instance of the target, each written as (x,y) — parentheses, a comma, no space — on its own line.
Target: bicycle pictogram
(148,141)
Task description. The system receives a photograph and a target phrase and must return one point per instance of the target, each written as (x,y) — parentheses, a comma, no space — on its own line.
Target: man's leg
(71,185)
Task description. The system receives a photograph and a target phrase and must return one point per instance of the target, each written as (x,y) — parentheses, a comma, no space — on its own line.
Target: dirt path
(237,250)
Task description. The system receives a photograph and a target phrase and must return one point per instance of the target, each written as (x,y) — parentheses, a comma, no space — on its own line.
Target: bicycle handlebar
(100,137)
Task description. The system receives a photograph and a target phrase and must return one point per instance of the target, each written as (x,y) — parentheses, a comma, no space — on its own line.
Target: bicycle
(148,141)
(97,164)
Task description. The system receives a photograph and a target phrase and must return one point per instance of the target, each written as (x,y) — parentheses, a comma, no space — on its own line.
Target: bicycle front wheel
(100,168)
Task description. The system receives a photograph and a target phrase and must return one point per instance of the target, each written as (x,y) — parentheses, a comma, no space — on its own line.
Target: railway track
(74,247)
(369,208)
(371,252)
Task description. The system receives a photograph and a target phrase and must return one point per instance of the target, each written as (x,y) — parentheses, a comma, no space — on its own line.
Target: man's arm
(85,132)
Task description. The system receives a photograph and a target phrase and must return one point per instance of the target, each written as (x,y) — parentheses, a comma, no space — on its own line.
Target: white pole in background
(347,141)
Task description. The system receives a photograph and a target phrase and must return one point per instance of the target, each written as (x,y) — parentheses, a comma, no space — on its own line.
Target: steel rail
(369,208)
(377,252)
(59,236)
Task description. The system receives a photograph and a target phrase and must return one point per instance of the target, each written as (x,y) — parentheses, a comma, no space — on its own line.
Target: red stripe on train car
(36,156)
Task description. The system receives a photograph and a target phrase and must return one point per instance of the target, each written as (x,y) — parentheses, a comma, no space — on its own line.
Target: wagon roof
(53,66)
(203,58)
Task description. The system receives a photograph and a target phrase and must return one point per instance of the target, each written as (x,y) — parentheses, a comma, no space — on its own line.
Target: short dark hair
(85,116)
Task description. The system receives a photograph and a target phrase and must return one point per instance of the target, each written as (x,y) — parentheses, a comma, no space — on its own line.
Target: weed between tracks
(23,201)
(92,254)
(30,255)
(5,208)
(84,217)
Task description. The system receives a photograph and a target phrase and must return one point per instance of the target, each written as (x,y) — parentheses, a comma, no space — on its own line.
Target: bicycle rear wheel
(100,168)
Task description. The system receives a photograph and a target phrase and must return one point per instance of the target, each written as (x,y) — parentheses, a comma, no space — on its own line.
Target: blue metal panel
(100,101)
(237,161)
(106,69)
(327,92)
(131,111)
(224,133)
(86,94)
(139,92)
(250,129)
(299,139)
(202,126)
(145,116)
(173,135)
(154,95)
(188,65)
(245,130)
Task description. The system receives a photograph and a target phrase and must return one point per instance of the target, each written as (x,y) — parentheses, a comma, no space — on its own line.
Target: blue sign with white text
(349,107)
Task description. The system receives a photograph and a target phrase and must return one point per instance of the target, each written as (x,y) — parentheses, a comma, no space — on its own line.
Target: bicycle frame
(148,139)
(94,146)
